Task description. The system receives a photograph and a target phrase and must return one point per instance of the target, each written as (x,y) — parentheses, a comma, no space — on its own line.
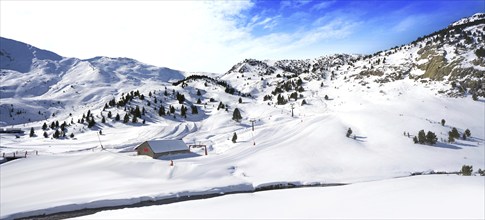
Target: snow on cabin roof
(163,146)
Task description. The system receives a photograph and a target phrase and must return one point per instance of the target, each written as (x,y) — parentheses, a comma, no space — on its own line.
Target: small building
(158,148)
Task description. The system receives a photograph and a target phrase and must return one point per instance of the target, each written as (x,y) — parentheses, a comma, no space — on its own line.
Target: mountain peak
(475,17)
(18,56)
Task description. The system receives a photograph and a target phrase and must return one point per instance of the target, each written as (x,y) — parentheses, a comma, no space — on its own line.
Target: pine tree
(443,122)
(91,122)
(134,119)
(45,134)
(220,106)
(126,118)
(103,120)
(161,111)
(421,137)
(431,138)
(53,125)
(180,98)
(56,134)
(349,132)
(303,102)
(234,137)
(63,126)
(198,93)
(137,112)
(44,126)
(415,139)
(183,111)
(172,109)
(466,170)
(326,97)
(194,110)
(117,117)
(32,132)
(468,133)
(198,101)
(454,133)
(72,135)
(240,100)
(451,139)
(236,115)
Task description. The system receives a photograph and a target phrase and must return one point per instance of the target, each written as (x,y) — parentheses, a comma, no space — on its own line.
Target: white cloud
(411,21)
(322,5)
(294,3)
(185,35)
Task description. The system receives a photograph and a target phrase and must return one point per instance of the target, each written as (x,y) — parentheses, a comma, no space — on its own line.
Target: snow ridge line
(76,210)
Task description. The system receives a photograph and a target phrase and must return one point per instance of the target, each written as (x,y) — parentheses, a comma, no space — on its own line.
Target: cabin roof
(164,146)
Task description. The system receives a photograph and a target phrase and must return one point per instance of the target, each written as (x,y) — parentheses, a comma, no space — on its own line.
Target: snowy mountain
(453,57)
(37,84)
(302,112)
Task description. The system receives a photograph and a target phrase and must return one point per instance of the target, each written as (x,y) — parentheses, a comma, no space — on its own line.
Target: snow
(472,18)
(307,148)
(162,146)
(420,197)
(310,148)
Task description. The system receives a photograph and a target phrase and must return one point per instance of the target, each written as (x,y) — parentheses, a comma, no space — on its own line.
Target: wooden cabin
(158,148)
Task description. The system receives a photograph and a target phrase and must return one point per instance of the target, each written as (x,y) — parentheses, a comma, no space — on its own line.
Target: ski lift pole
(102,148)
(254,142)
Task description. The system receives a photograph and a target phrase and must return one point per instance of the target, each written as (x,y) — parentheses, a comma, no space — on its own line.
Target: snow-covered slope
(37,85)
(385,103)
(445,197)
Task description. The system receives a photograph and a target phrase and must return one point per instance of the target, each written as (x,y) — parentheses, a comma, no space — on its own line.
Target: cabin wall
(145,149)
(171,153)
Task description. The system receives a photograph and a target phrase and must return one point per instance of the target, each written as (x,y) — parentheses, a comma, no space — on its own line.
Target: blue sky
(212,36)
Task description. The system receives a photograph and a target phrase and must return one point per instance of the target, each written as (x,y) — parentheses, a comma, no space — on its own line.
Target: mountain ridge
(449,56)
